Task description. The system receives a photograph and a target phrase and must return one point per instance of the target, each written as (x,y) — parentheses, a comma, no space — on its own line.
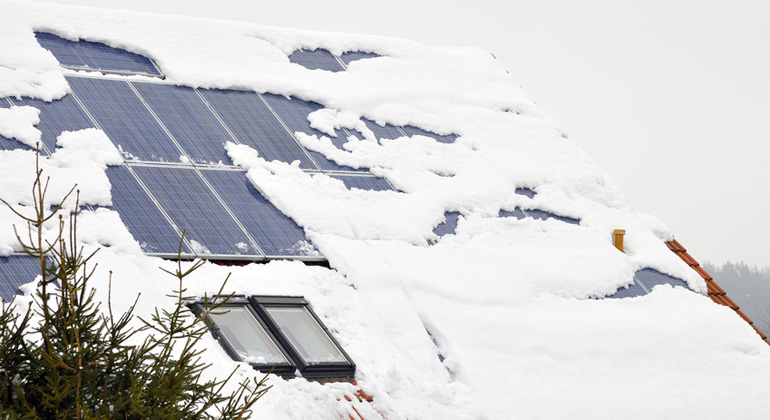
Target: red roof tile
(359,396)
(716,293)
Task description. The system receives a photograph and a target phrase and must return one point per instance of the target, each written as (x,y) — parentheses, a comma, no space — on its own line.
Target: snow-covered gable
(465,281)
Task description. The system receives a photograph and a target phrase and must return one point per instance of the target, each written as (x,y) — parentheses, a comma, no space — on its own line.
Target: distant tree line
(748,286)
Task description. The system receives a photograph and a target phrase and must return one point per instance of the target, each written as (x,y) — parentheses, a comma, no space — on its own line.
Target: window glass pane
(306,335)
(247,337)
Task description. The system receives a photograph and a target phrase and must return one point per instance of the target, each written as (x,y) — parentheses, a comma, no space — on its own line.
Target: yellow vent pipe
(617,238)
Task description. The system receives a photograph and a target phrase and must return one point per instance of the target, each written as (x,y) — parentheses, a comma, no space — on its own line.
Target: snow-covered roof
(468,283)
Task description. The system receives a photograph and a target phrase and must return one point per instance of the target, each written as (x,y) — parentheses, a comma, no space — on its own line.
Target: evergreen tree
(67,357)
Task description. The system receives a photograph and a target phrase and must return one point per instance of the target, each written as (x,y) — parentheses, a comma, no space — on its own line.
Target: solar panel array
(644,281)
(177,175)
(87,55)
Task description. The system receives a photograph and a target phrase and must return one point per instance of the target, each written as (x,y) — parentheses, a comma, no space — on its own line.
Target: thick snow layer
(512,305)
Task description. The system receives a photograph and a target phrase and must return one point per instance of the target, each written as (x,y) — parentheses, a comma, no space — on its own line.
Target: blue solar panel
(64,114)
(293,112)
(448,226)
(255,125)
(189,120)
(416,131)
(543,215)
(350,56)
(650,278)
(140,214)
(370,183)
(388,131)
(16,270)
(528,192)
(644,280)
(276,234)
(10,144)
(94,55)
(517,213)
(194,207)
(125,119)
(633,290)
(316,60)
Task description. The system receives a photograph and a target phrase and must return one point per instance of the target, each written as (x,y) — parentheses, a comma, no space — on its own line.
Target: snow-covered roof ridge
(508,292)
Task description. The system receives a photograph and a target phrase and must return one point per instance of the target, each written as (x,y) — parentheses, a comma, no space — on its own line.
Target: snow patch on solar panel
(81,159)
(19,123)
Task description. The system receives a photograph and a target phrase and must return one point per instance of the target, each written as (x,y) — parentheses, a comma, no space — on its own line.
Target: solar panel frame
(189,120)
(318,59)
(254,124)
(141,215)
(367,183)
(350,56)
(122,114)
(57,116)
(293,112)
(16,270)
(187,199)
(411,130)
(88,55)
(276,234)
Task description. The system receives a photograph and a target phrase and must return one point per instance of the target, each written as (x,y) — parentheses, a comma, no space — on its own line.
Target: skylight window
(279,334)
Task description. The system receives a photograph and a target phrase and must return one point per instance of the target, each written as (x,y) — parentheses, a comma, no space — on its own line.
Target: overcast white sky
(672,98)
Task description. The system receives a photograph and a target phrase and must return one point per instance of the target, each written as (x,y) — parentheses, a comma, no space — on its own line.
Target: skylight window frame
(285,370)
(257,306)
